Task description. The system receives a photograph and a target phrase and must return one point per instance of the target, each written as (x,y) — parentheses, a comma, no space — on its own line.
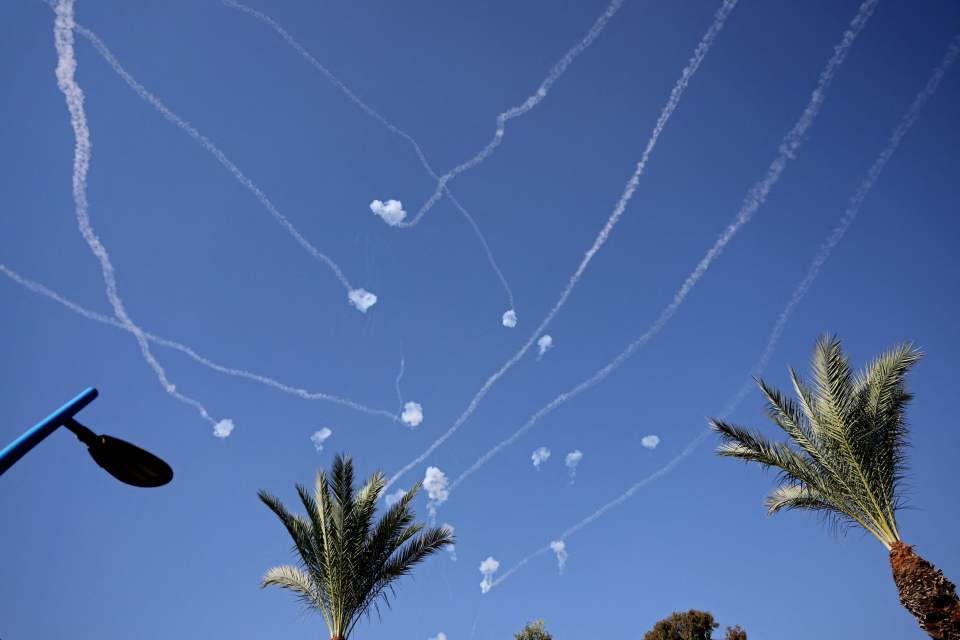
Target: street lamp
(124,461)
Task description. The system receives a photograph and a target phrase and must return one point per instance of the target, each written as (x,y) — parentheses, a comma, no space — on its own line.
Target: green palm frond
(849,432)
(402,562)
(349,561)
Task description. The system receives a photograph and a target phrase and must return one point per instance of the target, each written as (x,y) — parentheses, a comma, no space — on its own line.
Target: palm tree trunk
(924,592)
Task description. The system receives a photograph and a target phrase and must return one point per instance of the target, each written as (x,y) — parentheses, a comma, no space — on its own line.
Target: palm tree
(347,562)
(846,462)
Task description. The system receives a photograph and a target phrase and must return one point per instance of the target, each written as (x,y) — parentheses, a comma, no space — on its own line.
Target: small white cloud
(436,482)
(510,318)
(362,299)
(451,548)
(412,414)
(572,460)
(393,498)
(487,568)
(544,343)
(439,636)
(559,547)
(223,428)
(539,456)
(650,442)
(319,437)
(391,211)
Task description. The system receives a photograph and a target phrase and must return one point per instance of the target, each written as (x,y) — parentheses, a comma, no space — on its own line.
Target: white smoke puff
(436,482)
(439,636)
(487,568)
(393,498)
(650,442)
(544,343)
(362,299)
(319,437)
(223,428)
(451,548)
(540,456)
(509,318)
(572,460)
(391,211)
(559,547)
(412,414)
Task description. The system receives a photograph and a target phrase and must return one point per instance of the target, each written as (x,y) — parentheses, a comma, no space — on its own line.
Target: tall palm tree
(347,562)
(846,462)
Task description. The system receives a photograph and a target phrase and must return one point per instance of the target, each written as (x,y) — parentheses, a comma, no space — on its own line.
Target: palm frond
(342,475)
(402,562)
(290,578)
(833,387)
(737,442)
(425,544)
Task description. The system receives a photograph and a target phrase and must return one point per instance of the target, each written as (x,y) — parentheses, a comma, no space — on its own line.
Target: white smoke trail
(215,151)
(373,113)
(473,629)
(66,68)
(396,385)
(755,198)
(514,112)
(688,72)
(803,286)
(40,289)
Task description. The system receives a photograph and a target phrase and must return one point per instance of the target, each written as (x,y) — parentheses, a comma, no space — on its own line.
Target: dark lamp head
(129,463)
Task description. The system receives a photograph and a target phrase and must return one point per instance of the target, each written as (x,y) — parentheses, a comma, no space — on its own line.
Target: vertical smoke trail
(356,296)
(822,255)
(40,289)
(370,111)
(396,385)
(755,198)
(66,68)
(514,112)
(674,100)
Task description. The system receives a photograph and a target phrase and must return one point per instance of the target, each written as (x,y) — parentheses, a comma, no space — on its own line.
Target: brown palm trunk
(924,592)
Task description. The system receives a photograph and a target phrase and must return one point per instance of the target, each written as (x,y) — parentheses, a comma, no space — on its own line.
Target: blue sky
(200,261)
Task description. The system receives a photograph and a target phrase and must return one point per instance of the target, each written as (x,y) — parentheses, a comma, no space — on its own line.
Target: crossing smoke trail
(699,54)
(40,289)
(360,298)
(73,94)
(514,112)
(370,111)
(822,255)
(755,198)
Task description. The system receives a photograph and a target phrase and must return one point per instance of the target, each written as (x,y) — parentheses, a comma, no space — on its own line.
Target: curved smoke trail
(370,111)
(755,198)
(688,72)
(215,151)
(73,94)
(40,289)
(822,255)
(515,112)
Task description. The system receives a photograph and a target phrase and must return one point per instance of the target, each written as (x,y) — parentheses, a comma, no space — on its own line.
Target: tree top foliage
(533,631)
(691,625)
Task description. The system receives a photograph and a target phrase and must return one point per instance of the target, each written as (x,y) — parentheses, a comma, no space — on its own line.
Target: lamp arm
(36,434)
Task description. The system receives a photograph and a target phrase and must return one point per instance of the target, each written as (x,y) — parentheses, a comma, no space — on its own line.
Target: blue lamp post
(124,461)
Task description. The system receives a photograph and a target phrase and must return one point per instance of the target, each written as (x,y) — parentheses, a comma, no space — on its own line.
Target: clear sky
(201,261)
